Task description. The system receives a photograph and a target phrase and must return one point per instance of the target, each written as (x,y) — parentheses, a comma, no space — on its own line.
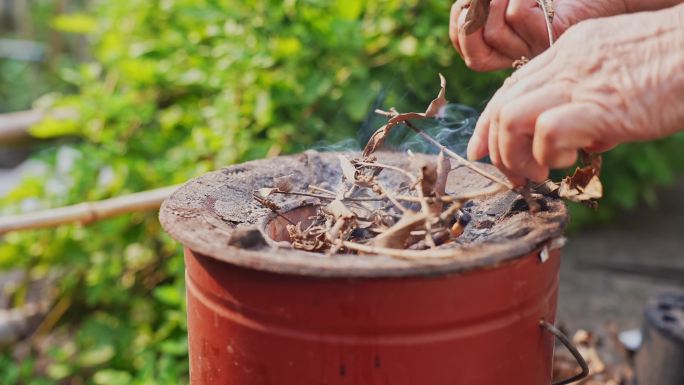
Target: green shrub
(178,88)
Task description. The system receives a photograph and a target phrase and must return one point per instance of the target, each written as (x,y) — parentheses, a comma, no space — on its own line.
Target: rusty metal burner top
(215,215)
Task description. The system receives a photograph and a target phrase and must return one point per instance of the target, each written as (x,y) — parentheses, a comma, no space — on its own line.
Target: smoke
(349,144)
(452,128)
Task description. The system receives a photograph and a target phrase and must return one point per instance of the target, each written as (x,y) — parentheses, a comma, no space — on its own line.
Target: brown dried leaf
(396,236)
(443,170)
(593,189)
(548,187)
(428,176)
(305,239)
(396,118)
(592,159)
(436,105)
(376,140)
(339,210)
(477,15)
(364,224)
(284,183)
(584,186)
(265,192)
(402,117)
(348,169)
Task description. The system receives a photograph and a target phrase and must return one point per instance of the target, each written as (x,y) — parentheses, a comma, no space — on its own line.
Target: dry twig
(87,212)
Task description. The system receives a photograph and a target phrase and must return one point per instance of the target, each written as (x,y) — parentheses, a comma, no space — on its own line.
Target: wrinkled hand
(605,82)
(516,28)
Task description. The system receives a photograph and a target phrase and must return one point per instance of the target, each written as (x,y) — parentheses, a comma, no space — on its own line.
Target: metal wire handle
(573,350)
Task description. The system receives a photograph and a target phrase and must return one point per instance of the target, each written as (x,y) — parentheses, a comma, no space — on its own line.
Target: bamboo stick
(14,126)
(87,212)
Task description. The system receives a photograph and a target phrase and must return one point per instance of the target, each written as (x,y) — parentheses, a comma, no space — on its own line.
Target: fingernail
(462,19)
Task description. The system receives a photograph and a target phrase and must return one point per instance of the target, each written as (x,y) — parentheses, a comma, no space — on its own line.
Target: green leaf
(349,9)
(169,295)
(58,371)
(97,356)
(112,377)
(50,127)
(75,23)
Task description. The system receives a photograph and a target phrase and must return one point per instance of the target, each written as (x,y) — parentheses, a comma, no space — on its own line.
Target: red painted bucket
(261,315)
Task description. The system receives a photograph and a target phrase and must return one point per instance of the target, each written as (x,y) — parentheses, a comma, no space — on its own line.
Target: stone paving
(649,244)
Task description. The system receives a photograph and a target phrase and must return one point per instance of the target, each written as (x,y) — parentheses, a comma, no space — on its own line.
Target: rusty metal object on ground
(259,314)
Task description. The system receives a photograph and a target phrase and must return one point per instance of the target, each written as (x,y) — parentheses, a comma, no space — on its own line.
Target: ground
(647,246)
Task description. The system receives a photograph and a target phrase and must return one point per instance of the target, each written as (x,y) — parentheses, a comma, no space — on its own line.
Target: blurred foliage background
(166,90)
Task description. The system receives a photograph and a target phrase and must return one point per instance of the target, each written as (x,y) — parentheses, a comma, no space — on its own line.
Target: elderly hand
(606,81)
(516,28)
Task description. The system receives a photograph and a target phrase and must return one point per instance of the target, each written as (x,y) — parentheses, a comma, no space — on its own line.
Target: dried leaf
(548,187)
(402,117)
(306,239)
(376,140)
(396,236)
(477,15)
(443,170)
(593,189)
(584,186)
(348,169)
(265,192)
(592,159)
(518,64)
(364,224)
(339,210)
(428,176)
(433,110)
(284,183)
(436,105)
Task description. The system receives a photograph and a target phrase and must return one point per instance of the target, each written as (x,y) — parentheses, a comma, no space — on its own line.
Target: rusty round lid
(215,215)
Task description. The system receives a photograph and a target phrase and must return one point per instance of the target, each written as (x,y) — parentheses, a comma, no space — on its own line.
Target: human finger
(560,132)
(478,144)
(500,36)
(476,53)
(457,8)
(526,18)
(516,130)
(494,156)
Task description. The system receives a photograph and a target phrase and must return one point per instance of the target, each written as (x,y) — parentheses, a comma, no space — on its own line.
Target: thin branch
(269,204)
(548,18)
(424,205)
(390,167)
(15,126)
(391,198)
(87,212)
(407,254)
(321,189)
(458,158)
(304,194)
